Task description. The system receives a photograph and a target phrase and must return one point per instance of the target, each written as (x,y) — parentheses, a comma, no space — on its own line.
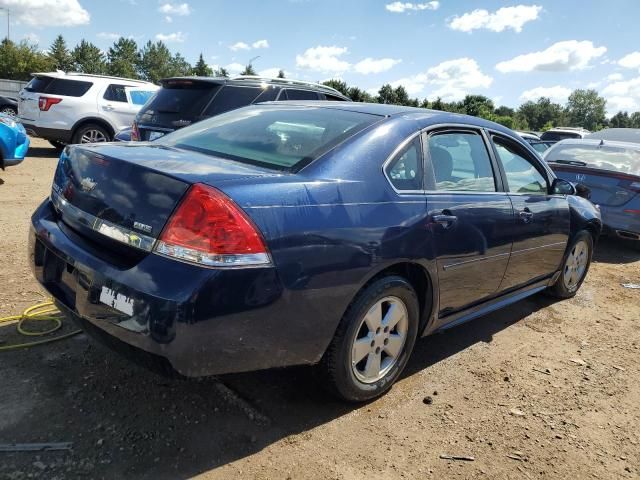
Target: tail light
(209,229)
(135,132)
(44,103)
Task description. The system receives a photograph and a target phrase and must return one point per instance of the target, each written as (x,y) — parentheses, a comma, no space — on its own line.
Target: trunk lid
(122,195)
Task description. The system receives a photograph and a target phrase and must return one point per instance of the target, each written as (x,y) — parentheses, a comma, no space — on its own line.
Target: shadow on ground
(615,250)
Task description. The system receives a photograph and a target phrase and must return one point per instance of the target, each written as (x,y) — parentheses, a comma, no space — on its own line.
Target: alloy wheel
(8,111)
(93,136)
(576,265)
(379,340)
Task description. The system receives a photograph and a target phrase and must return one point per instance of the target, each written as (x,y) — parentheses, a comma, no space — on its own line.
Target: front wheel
(373,341)
(575,267)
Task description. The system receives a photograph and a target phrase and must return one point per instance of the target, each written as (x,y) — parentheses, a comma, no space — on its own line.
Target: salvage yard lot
(541,389)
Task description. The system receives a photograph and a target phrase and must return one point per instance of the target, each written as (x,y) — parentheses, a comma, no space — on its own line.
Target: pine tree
(123,57)
(248,70)
(201,68)
(87,58)
(221,72)
(59,54)
(281,73)
(155,61)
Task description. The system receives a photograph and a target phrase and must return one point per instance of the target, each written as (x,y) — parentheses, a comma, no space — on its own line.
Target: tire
(574,266)
(57,146)
(9,110)
(353,380)
(91,133)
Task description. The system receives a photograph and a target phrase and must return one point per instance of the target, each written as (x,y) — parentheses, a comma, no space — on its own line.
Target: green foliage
(635,120)
(280,73)
(505,120)
(201,68)
(179,67)
(586,108)
(249,70)
(478,106)
(541,112)
(155,62)
(339,85)
(60,55)
(18,61)
(221,72)
(620,120)
(87,58)
(123,58)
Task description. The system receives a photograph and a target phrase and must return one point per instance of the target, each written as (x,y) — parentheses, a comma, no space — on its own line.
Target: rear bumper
(621,224)
(199,321)
(54,134)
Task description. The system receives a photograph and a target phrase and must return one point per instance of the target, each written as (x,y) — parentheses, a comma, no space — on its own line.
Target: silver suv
(80,108)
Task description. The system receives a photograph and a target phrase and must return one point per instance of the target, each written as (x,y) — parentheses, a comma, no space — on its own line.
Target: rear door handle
(445,220)
(108,107)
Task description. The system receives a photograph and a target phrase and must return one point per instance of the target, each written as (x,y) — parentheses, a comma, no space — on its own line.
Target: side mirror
(562,187)
(583,191)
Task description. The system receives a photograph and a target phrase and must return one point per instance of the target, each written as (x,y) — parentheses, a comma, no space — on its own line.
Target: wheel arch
(95,120)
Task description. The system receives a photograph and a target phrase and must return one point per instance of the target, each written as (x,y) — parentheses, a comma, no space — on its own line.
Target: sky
(509,51)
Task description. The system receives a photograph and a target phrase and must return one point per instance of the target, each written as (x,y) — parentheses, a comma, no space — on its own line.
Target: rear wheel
(373,341)
(575,267)
(9,110)
(91,133)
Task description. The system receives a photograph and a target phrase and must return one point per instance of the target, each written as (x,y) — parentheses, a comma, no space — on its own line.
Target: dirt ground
(542,389)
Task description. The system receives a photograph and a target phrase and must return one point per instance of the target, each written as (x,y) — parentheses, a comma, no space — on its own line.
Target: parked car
(541,146)
(80,108)
(123,135)
(560,133)
(611,170)
(14,142)
(616,134)
(528,136)
(293,233)
(9,106)
(184,100)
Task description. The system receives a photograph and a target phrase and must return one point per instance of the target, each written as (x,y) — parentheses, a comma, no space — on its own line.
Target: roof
(85,76)
(599,143)
(568,129)
(617,134)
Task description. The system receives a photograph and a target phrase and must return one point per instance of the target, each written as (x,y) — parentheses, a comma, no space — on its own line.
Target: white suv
(80,108)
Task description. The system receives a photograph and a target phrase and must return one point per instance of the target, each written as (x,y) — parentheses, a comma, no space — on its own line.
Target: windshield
(606,157)
(281,138)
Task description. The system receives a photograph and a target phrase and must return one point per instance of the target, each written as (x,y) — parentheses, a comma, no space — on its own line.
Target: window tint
(231,97)
(281,138)
(38,84)
(269,94)
(405,170)
(333,98)
(300,95)
(461,162)
(115,93)
(522,175)
(69,88)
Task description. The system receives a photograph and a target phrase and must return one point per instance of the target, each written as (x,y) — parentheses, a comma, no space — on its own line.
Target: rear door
(28,109)
(114,104)
(470,217)
(542,221)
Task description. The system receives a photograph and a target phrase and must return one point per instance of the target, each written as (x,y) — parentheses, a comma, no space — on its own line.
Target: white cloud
(168,19)
(323,59)
(506,17)
(271,72)
(375,65)
(451,80)
(176,37)
(178,9)
(239,46)
(615,77)
(401,7)
(631,60)
(108,35)
(622,95)
(47,13)
(31,37)
(260,44)
(558,94)
(234,68)
(559,57)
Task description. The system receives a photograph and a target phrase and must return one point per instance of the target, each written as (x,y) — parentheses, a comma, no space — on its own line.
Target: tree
(179,67)
(503,111)
(87,58)
(635,120)
(155,61)
(358,95)
(18,61)
(387,94)
(541,112)
(201,68)
(249,70)
(339,85)
(586,109)
(478,106)
(123,58)
(60,55)
(620,120)
(221,72)
(280,73)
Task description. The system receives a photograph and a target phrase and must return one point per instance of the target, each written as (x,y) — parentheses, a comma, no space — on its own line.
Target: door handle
(445,220)
(526,215)
(108,107)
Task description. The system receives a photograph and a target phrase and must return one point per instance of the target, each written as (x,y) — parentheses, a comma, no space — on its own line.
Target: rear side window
(461,162)
(232,97)
(281,138)
(293,94)
(405,170)
(69,88)
(522,174)
(333,98)
(178,102)
(38,84)
(115,93)
(606,157)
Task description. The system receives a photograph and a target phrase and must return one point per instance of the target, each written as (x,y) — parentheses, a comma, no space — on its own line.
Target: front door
(470,218)
(541,229)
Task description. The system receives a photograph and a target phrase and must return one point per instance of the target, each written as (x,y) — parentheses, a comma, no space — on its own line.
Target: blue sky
(509,51)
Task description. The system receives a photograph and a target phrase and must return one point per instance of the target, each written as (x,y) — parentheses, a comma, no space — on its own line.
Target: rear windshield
(557,136)
(178,102)
(606,157)
(282,138)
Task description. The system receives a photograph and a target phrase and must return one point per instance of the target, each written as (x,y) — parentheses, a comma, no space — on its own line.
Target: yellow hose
(41,312)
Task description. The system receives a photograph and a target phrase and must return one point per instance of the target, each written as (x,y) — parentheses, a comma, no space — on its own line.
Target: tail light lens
(209,229)
(135,132)
(44,103)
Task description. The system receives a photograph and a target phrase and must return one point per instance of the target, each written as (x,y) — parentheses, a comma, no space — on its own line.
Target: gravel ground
(542,389)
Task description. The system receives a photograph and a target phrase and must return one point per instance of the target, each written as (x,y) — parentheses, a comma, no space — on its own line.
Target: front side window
(282,137)
(522,175)
(405,170)
(461,162)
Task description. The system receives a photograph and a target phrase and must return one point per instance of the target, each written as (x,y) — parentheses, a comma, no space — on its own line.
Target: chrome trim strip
(392,157)
(474,260)
(549,245)
(346,204)
(106,228)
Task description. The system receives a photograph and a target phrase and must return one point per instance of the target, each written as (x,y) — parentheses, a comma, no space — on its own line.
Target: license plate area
(59,278)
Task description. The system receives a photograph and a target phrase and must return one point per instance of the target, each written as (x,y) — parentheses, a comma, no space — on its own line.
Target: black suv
(185,100)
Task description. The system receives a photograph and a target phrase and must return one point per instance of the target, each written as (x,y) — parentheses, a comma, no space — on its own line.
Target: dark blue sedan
(305,233)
